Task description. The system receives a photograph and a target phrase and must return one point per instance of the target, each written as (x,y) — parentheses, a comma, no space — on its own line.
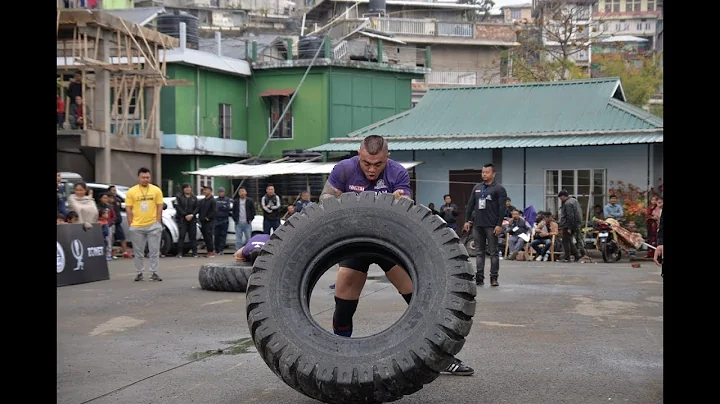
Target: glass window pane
(583,180)
(567,182)
(551,204)
(599,185)
(551,182)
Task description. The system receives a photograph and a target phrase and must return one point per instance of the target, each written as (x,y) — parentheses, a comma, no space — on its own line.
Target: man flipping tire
(370,170)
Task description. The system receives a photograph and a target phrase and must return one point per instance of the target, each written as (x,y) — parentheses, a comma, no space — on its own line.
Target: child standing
(107,202)
(103,220)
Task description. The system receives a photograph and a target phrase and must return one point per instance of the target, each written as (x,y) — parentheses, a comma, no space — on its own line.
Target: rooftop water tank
(169,24)
(376,7)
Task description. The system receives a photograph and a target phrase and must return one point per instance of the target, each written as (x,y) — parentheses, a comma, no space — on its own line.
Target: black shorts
(363,264)
(119,233)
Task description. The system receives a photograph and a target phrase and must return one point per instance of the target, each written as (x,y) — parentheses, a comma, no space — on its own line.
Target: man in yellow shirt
(144,206)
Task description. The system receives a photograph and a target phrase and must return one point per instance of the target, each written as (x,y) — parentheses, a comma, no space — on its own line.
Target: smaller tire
(225,277)
(470,246)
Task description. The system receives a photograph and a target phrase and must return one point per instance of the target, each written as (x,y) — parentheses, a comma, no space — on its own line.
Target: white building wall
(627,163)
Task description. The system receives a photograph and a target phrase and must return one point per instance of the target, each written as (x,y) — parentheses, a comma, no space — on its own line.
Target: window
(225,121)
(579,183)
(650,5)
(277,106)
(606,27)
(202,181)
(648,26)
(633,5)
(639,26)
(617,27)
(515,14)
(612,6)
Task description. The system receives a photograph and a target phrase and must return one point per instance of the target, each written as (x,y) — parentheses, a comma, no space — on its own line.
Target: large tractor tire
(225,277)
(383,367)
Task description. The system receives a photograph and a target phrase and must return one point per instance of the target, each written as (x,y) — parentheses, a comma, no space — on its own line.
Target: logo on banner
(60,258)
(77,251)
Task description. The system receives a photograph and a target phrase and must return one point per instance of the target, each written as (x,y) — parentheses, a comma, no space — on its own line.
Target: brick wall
(497,32)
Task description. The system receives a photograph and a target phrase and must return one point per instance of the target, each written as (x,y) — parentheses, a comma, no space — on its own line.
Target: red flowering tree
(634,200)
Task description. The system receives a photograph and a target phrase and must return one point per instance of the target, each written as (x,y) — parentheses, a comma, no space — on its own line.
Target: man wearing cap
(252,248)
(186,207)
(222,215)
(206,215)
(570,220)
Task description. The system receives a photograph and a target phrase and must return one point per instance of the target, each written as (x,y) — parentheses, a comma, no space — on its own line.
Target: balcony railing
(412,26)
(450,78)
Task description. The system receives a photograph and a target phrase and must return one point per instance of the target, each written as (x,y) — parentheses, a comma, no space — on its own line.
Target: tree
(549,45)
(640,74)
(480,14)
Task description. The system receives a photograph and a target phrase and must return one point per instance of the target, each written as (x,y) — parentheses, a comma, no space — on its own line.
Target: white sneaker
(539,258)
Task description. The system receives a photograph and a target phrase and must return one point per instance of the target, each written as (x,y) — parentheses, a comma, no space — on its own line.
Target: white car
(173,233)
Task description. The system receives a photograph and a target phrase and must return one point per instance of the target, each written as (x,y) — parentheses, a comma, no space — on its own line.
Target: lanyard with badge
(483,195)
(144,203)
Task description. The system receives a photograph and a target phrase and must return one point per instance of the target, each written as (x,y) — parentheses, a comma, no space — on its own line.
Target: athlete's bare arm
(330,191)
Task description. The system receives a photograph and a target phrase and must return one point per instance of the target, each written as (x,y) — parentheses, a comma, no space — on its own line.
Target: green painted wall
(178,113)
(309,110)
(117,4)
(174,165)
(359,98)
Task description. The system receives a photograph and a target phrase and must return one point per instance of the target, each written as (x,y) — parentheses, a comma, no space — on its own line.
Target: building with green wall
(204,123)
(227,113)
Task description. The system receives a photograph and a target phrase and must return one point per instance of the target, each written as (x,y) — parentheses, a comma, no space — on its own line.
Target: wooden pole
(130,35)
(141,101)
(128,51)
(127,94)
(97,45)
(84,103)
(137,103)
(119,47)
(118,88)
(74,44)
(85,46)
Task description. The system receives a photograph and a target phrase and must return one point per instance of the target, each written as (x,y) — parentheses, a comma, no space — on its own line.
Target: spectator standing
(659,253)
(222,220)
(119,232)
(83,204)
(61,198)
(570,219)
(431,206)
(487,203)
(74,88)
(243,213)
(106,204)
(577,232)
(270,204)
(103,219)
(651,223)
(301,203)
(508,208)
(449,212)
(60,111)
(206,215)
(186,209)
(143,206)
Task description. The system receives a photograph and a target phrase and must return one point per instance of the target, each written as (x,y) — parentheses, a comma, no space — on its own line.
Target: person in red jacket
(60,111)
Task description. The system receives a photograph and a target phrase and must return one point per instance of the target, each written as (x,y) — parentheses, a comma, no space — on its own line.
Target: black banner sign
(80,255)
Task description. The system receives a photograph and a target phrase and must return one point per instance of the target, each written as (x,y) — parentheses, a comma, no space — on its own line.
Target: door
(461,185)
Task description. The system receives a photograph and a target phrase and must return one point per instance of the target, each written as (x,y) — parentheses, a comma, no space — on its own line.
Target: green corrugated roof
(502,142)
(548,107)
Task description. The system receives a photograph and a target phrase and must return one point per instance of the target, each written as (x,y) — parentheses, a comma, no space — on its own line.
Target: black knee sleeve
(342,318)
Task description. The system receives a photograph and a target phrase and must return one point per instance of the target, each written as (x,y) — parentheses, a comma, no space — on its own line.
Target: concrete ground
(551,333)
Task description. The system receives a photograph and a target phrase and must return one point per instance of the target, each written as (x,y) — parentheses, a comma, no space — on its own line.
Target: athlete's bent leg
(348,287)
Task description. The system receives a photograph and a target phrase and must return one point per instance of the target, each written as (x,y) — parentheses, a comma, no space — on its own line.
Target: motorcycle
(607,243)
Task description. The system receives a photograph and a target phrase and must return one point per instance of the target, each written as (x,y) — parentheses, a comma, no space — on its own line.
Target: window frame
(277,106)
(225,121)
(554,206)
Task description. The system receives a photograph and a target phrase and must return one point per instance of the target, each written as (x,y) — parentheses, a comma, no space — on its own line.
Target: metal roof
(593,105)
(237,170)
(208,60)
(502,143)
(138,15)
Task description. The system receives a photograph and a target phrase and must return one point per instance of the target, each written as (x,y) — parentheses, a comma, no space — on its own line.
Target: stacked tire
(379,368)
(225,277)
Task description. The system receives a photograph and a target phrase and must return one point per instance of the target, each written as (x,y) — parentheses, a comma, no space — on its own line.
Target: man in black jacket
(243,213)
(206,215)
(186,207)
(658,258)
(570,218)
(487,203)
(270,204)
(449,212)
(222,219)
